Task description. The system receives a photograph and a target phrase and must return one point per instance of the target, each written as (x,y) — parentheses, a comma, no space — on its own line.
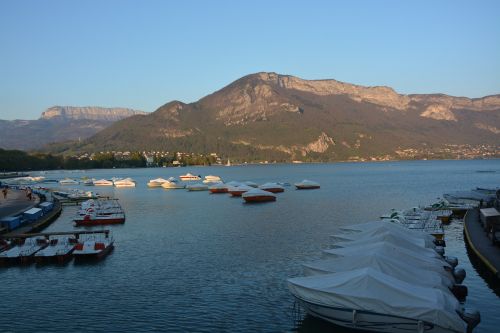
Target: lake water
(200,262)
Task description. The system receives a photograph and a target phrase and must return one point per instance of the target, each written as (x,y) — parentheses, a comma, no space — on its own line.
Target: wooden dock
(480,243)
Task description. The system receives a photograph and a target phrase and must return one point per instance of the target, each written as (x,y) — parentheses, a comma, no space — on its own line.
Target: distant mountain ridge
(59,123)
(272,116)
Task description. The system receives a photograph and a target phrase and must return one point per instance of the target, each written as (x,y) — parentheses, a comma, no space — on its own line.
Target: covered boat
(307,185)
(258,195)
(212,179)
(251,184)
(172,183)
(370,300)
(127,182)
(92,218)
(218,188)
(237,191)
(103,182)
(188,176)
(156,182)
(272,187)
(59,250)
(197,187)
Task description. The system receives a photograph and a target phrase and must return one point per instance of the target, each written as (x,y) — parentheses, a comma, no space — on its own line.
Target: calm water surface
(195,262)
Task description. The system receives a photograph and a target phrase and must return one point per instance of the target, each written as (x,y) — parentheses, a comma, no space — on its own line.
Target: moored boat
(307,185)
(218,188)
(258,195)
(127,182)
(93,248)
(68,181)
(189,176)
(272,187)
(93,219)
(22,250)
(103,182)
(156,182)
(237,191)
(212,179)
(197,187)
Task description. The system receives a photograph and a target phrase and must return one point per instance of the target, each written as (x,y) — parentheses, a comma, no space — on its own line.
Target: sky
(143,54)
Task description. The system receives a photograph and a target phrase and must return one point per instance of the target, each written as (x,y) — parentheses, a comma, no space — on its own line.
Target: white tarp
(370,290)
(409,242)
(391,250)
(382,224)
(410,269)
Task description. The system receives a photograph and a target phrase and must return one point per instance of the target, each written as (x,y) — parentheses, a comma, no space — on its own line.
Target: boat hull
(93,256)
(307,187)
(259,198)
(118,220)
(218,190)
(370,321)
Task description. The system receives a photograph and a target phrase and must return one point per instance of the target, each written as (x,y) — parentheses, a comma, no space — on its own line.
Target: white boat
(188,176)
(88,182)
(212,179)
(272,187)
(103,182)
(92,247)
(23,252)
(68,181)
(156,182)
(127,182)
(258,195)
(370,300)
(251,184)
(307,185)
(197,187)
(59,249)
(172,183)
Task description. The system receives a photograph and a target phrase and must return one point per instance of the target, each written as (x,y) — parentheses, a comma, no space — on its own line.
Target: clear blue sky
(142,54)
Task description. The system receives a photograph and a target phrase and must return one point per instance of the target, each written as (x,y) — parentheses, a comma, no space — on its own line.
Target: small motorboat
(156,182)
(197,187)
(212,179)
(218,188)
(93,248)
(237,191)
(127,182)
(172,183)
(59,250)
(258,195)
(272,187)
(307,185)
(189,177)
(68,181)
(103,182)
(23,250)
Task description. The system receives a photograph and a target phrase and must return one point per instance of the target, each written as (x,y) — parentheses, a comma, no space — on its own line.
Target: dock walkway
(479,242)
(15,203)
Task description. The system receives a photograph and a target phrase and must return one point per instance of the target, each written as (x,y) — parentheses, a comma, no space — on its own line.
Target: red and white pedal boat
(92,219)
(93,248)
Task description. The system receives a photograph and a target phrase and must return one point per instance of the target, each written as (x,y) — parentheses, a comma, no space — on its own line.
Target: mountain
(59,123)
(282,117)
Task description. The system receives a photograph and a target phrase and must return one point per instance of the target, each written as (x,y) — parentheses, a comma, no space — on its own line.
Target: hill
(281,117)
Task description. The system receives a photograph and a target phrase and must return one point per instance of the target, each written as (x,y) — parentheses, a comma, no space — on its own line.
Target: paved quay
(16,202)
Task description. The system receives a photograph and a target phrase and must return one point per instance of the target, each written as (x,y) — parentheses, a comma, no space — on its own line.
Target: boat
(272,187)
(251,184)
(88,182)
(68,181)
(59,250)
(103,182)
(212,179)
(369,300)
(23,250)
(228,162)
(218,188)
(92,247)
(127,182)
(238,190)
(197,187)
(91,218)
(189,177)
(172,183)
(156,182)
(258,195)
(307,185)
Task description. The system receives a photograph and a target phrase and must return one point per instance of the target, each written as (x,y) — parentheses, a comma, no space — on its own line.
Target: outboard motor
(471,317)
(460,291)
(440,250)
(453,261)
(440,242)
(459,274)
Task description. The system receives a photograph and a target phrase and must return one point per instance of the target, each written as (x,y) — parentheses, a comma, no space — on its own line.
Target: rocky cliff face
(88,112)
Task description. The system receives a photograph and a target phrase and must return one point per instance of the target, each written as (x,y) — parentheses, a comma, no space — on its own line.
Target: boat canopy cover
(255,192)
(407,269)
(370,290)
(392,250)
(381,227)
(158,180)
(306,182)
(378,235)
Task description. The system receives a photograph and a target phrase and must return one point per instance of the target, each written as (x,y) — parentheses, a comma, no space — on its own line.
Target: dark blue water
(196,262)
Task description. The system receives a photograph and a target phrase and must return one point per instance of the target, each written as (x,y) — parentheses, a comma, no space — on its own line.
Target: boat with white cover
(272,187)
(251,184)
(68,181)
(172,183)
(197,187)
(103,182)
(212,179)
(23,250)
(156,182)
(93,247)
(370,300)
(307,185)
(258,195)
(218,188)
(127,182)
(238,190)
(189,176)
(59,249)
